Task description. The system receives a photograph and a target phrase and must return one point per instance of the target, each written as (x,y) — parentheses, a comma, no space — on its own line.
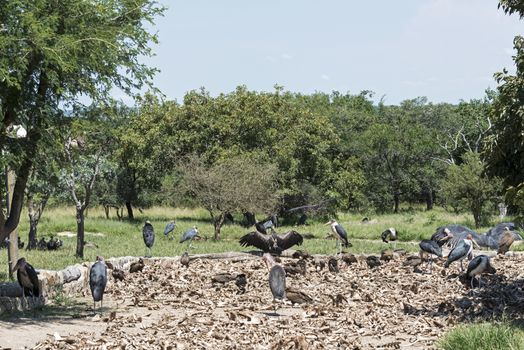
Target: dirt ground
(167,306)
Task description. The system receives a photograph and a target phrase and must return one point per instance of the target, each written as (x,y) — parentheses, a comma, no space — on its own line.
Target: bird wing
(341,232)
(256,239)
(169,227)
(431,247)
(460,250)
(188,235)
(473,264)
(33,277)
(277,282)
(289,239)
(259,226)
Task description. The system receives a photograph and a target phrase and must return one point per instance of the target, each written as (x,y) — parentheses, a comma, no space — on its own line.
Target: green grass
(484,336)
(116,238)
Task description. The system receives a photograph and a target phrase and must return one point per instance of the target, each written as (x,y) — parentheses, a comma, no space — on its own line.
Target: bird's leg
(461,267)
(480,281)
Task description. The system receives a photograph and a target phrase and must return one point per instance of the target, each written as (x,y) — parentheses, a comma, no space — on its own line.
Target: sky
(446,50)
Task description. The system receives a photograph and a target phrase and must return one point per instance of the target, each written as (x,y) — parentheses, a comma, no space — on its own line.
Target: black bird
(184,260)
(432,248)
(169,228)
(53,243)
(340,233)
(463,249)
(148,233)
(98,280)
(27,278)
(241,282)
(137,266)
(268,224)
(373,261)
(277,277)
(42,244)
(118,274)
(478,266)
(391,232)
(442,236)
(274,243)
(333,265)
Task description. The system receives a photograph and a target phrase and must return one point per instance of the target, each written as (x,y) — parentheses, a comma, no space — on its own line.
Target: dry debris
(388,306)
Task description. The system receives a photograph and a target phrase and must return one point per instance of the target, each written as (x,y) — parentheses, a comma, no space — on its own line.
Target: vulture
(274,243)
(505,241)
(184,259)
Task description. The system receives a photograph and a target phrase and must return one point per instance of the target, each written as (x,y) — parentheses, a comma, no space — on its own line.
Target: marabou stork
(27,278)
(169,228)
(277,277)
(148,233)
(392,233)
(340,234)
(98,280)
(463,249)
(274,243)
(189,235)
(432,248)
(478,266)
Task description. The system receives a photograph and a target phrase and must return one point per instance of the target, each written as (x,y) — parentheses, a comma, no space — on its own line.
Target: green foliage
(483,336)
(467,187)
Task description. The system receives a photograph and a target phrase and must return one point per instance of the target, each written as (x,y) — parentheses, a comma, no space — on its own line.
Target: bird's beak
(17,266)
(327,223)
(475,244)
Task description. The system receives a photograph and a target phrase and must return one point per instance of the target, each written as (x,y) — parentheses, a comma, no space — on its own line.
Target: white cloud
(325,76)
(286,56)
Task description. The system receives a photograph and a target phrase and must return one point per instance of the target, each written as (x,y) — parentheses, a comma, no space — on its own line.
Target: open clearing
(391,306)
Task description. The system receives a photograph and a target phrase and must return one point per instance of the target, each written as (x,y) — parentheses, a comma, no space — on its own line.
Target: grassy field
(113,237)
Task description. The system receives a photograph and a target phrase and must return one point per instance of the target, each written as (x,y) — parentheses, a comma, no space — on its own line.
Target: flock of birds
(460,239)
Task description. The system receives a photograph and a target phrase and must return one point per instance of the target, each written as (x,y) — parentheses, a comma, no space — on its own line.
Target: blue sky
(446,50)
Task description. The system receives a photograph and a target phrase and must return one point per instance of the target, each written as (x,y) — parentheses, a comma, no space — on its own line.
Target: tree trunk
(130,215)
(429,200)
(219,221)
(80,232)
(106,210)
(32,235)
(396,198)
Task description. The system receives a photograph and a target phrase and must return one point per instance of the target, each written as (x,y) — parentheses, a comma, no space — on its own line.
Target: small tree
(232,185)
(468,187)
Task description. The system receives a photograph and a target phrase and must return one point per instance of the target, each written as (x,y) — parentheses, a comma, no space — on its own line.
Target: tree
(467,187)
(236,184)
(85,162)
(51,54)
(505,145)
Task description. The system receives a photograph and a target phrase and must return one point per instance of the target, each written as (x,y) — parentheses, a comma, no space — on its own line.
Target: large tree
(52,53)
(505,146)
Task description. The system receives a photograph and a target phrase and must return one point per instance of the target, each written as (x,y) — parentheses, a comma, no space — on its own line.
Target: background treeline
(331,151)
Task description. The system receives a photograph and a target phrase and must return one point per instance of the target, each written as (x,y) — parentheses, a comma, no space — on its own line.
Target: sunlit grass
(484,336)
(113,238)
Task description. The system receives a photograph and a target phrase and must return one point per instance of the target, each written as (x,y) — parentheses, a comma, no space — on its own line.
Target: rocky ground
(393,305)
